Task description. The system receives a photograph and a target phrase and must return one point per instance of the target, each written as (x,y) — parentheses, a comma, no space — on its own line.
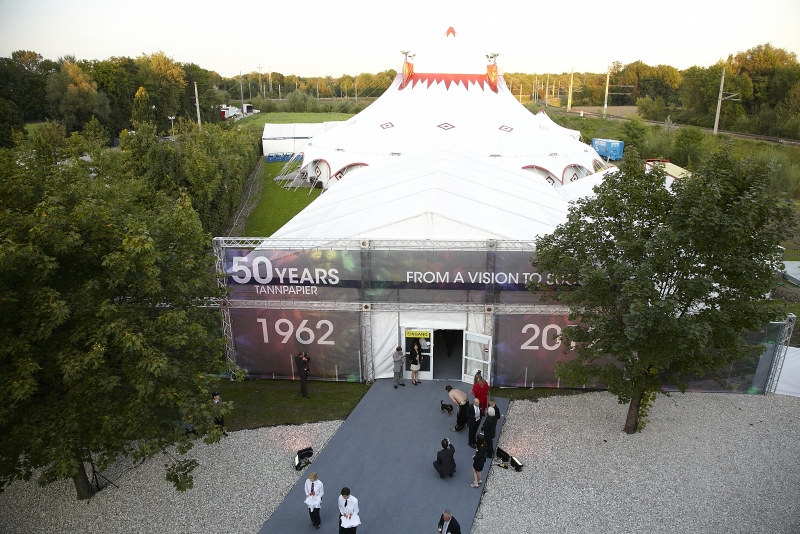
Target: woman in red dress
(480,390)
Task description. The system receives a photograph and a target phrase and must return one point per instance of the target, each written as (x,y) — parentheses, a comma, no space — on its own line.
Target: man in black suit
(445,464)
(448,523)
(302,360)
(473,421)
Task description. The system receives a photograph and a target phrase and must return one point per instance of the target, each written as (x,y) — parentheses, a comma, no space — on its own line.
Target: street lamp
(171,120)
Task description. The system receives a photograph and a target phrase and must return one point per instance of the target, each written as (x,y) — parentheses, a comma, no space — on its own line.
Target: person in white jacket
(314,492)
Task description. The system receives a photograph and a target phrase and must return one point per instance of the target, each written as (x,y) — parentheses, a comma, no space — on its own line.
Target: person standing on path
(399,358)
(448,523)
(348,512)
(478,460)
(416,361)
(314,492)
(219,419)
(460,399)
(480,389)
(473,421)
(302,360)
(489,429)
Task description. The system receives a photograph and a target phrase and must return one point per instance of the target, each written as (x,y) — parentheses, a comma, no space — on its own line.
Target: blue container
(609,148)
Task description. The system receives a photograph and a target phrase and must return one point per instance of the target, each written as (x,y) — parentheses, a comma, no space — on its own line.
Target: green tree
(74,98)
(634,132)
(10,122)
(142,110)
(688,146)
(117,78)
(103,350)
(665,283)
(164,80)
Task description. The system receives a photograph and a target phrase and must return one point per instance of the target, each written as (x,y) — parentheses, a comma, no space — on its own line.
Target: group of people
(348,509)
(348,505)
(415,359)
(471,416)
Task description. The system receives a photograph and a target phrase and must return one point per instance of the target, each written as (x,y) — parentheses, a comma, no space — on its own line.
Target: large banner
(527,349)
(266,342)
(382,275)
(315,275)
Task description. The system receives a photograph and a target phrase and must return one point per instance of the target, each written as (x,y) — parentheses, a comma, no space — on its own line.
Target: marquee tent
(442,193)
(467,111)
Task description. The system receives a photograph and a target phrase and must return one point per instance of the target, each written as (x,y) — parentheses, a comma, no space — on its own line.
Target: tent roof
(443,193)
(461,110)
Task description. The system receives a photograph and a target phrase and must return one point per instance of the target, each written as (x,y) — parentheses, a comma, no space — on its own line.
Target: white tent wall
(385,326)
(789,380)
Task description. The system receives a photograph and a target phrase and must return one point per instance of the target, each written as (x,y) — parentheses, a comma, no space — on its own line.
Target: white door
(477,356)
(424,338)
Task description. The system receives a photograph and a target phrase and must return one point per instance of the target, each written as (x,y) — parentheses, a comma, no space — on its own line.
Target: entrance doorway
(447,354)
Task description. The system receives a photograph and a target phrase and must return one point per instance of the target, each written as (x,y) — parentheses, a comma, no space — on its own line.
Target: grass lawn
(33,127)
(259,403)
(276,204)
(289,118)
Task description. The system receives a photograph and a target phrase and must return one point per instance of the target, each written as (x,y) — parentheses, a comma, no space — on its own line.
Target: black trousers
(303,380)
(473,430)
(314,516)
(461,417)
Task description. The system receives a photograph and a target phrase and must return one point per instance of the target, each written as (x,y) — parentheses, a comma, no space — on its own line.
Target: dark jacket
(445,463)
(452,528)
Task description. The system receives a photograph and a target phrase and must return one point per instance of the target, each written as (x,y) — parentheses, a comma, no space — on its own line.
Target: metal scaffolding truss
(366,346)
(221,243)
(780,354)
(431,307)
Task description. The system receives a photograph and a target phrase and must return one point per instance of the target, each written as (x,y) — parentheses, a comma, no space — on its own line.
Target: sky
(326,38)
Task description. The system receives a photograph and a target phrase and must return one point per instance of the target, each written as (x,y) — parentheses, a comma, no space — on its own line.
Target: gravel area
(238,484)
(705,463)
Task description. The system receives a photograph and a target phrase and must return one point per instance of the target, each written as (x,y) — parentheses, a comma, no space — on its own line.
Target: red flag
(491,76)
(408,72)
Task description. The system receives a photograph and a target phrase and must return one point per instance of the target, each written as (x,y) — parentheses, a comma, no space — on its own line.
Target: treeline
(764,79)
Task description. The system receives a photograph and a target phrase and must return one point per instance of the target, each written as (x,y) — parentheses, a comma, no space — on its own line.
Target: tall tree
(74,98)
(164,80)
(665,282)
(102,348)
(142,110)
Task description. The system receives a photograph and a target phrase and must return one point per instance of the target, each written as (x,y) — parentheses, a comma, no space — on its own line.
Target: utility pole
(260,85)
(546,90)
(569,97)
(270,83)
(605,102)
(723,96)
(197,104)
(241,91)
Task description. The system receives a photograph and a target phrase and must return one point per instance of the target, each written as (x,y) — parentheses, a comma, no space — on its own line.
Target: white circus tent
(465,111)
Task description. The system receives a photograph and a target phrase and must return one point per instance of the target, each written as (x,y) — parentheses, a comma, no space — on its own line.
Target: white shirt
(351,508)
(319,489)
